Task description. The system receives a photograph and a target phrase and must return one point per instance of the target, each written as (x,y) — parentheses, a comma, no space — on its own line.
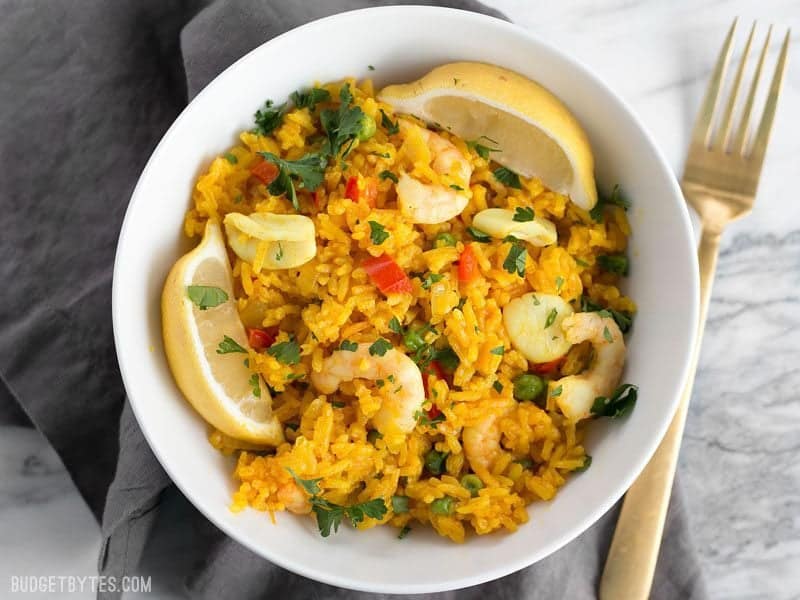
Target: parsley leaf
(551,318)
(559,284)
(523,214)
(279,253)
(286,353)
(310,98)
(457,188)
(499,351)
(269,118)
(480,149)
(517,255)
(447,358)
(624,320)
(478,235)
(424,420)
(430,280)
(206,296)
(394,325)
(556,392)
(231,158)
(255,384)
(400,504)
(386,122)
(378,233)
(388,175)
(228,345)
(348,346)
(614,263)
(342,125)
(616,199)
(508,177)
(587,462)
(310,170)
(619,404)
(607,335)
(498,387)
(379,347)
(404,532)
(311,486)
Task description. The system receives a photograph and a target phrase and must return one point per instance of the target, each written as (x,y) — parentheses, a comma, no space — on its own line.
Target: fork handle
(631,561)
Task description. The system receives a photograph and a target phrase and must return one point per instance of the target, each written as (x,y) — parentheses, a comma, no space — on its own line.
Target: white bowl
(403,43)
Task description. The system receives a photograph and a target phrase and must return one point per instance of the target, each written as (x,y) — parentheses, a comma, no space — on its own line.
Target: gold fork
(720,180)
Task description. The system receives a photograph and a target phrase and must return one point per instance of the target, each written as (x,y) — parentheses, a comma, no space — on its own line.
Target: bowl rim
(592,515)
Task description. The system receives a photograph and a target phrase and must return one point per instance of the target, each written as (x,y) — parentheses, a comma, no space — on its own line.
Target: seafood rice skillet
(385,324)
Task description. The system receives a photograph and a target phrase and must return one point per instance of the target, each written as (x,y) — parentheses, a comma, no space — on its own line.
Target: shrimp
(578,392)
(482,441)
(293,498)
(405,398)
(430,204)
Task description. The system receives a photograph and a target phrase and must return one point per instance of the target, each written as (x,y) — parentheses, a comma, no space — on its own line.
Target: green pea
(472,483)
(443,506)
(373,436)
(434,461)
(400,504)
(413,340)
(367,129)
(528,387)
(444,239)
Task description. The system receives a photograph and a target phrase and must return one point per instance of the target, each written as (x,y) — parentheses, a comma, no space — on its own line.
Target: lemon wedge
(219,386)
(535,134)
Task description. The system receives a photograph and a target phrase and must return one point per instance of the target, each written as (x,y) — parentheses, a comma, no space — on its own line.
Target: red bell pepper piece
(358,188)
(261,339)
(548,367)
(387,275)
(265,171)
(468,265)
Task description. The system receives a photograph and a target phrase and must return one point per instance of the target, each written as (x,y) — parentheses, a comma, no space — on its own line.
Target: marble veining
(738,463)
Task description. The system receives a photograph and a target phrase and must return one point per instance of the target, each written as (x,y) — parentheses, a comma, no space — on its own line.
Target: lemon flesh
(217,385)
(536,134)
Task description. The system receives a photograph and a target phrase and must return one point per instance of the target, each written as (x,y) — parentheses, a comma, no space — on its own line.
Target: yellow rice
(331,298)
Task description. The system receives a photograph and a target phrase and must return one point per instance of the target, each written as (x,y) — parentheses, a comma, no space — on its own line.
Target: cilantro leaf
(378,233)
(269,118)
(375,509)
(523,214)
(228,345)
(343,125)
(348,346)
(310,170)
(310,98)
(508,177)
(517,255)
(386,122)
(286,353)
(619,404)
(379,347)
(206,296)
(430,280)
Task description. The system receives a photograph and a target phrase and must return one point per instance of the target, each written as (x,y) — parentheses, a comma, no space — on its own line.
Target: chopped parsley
(338,404)
(517,256)
(386,122)
(229,345)
(434,461)
(426,421)
(348,346)
(619,404)
(286,353)
(343,125)
(370,67)
(394,325)
(556,392)
(269,118)
(329,515)
(206,296)
(624,320)
(508,177)
(404,532)
(498,387)
(559,284)
(255,384)
(614,263)
(400,504)
(309,170)
(499,351)
(551,318)
(478,235)
(457,188)
(310,98)
(238,199)
(607,335)
(381,154)
(279,253)
(587,462)
(536,301)
(582,263)
(615,199)
(377,233)
(388,175)
(430,280)
(379,347)
(231,158)
(523,214)
(482,150)
(447,358)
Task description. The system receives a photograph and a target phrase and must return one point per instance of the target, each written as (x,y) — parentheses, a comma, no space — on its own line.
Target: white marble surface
(739,462)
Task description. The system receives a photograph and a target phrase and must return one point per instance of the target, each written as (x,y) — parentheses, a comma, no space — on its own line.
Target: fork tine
(765,126)
(744,124)
(725,125)
(702,127)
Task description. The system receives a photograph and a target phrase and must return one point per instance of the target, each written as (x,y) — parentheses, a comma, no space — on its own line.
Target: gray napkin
(87,88)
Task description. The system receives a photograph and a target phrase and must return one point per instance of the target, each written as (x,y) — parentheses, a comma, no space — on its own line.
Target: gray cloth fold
(87,88)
